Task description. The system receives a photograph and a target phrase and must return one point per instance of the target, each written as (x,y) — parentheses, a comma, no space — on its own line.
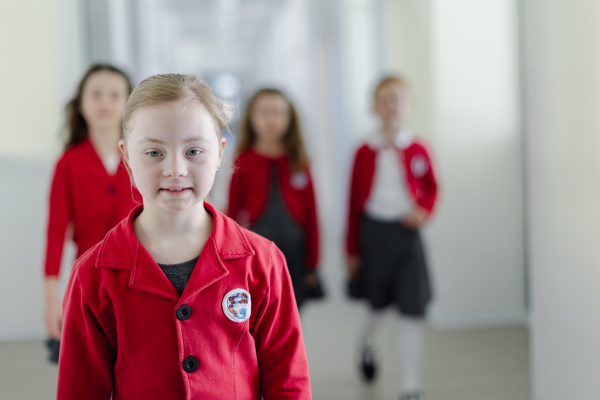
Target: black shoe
(53,346)
(368,365)
(412,396)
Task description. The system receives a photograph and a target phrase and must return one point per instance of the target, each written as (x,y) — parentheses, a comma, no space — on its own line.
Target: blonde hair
(293,140)
(391,79)
(166,88)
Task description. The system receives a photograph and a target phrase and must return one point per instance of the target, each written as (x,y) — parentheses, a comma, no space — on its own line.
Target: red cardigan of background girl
(419,179)
(252,173)
(84,193)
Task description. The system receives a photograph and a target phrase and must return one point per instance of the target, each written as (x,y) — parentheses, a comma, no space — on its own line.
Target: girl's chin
(178,206)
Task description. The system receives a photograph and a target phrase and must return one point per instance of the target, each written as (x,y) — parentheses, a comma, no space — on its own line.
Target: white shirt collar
(402,140)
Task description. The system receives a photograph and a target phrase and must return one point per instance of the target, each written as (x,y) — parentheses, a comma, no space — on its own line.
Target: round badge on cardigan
(237,305)
(419,166)
(299,180)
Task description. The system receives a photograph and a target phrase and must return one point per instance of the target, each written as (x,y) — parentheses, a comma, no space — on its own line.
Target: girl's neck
(105,141)
(391,128)
(155,224)
(269,149)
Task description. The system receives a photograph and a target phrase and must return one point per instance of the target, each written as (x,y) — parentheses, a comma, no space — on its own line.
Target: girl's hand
(415,219)
(353,266)
(310,279)
(53,309)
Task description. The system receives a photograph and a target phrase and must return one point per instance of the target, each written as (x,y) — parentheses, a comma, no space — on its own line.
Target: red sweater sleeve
(355,206)
(235,191)
(429,186)
(85,360)
(311,226)
(279,344)
(59,216)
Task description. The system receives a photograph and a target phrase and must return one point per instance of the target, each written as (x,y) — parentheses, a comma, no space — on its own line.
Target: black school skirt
(394,266)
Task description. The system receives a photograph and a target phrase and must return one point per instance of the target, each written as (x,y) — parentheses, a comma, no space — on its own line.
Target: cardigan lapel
(122,250)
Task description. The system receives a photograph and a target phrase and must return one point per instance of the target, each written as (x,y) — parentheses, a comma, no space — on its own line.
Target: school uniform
(389,179)
(85,194)
(270,199)
(128,333)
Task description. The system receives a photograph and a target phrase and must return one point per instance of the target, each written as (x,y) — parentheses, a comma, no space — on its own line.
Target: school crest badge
(419,166)
(299,180)
(237,305)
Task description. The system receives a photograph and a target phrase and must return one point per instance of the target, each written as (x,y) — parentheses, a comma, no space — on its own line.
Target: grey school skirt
(394,266)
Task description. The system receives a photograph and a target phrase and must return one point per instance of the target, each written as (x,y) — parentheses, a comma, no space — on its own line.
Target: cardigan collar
(122,250)
(402,140)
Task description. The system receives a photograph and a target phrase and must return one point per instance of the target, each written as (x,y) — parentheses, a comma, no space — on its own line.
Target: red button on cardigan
(122,337)
(84,194)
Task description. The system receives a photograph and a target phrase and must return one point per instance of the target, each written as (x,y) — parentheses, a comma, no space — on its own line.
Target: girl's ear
(223,144)
(123,152)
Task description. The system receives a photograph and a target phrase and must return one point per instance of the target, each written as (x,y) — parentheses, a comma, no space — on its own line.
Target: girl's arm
(281,355)
(59,216)
(354,208)
(311,225)
(85,360)
(430,184)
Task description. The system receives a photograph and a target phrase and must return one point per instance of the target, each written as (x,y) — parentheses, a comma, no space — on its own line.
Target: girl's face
(103,100)
(173,151)
(392,103)
(270,117)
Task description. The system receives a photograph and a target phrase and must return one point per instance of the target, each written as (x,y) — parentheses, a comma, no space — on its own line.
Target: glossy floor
(481,364)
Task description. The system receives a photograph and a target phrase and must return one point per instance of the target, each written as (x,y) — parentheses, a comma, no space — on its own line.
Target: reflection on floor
(477,364)
(485,364)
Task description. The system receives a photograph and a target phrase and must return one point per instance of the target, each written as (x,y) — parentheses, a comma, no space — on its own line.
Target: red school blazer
(123,336)
(419,180)
(249,193)
(84,194)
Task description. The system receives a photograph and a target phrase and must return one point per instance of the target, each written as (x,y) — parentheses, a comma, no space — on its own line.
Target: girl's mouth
(175,191)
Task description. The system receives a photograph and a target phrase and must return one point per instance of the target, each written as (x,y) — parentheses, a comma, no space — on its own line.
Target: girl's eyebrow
(191,139)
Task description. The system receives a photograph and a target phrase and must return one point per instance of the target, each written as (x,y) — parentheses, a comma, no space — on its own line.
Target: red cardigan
(419,179)
(249,193)
(85,194)
(123,333)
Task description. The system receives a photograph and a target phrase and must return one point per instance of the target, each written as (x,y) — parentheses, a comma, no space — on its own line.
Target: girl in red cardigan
(178,301)
(271,189)
(393,191)
(91,191)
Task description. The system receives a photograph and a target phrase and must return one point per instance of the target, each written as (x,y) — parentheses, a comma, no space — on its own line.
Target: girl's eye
(194,152)
(153,153)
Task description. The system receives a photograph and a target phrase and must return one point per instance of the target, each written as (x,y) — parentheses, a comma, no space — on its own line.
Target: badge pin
(419,166)
(237,305)
(299,180)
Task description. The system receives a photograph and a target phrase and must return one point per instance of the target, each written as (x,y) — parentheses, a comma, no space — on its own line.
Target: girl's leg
(410,332)
(371,323)
(368,363)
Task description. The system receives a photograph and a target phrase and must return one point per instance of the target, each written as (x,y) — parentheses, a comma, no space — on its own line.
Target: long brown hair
(75,124)
(293,140)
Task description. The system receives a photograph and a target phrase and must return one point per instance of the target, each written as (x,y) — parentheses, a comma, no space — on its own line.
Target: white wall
(40,43)
(462,60)
(563,149)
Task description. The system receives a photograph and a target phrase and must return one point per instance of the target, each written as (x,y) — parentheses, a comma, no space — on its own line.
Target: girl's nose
(175,167)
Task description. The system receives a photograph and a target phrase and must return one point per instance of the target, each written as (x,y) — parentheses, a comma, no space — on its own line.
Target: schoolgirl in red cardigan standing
(178,301)
(91,190)
(271,190)
(392,195)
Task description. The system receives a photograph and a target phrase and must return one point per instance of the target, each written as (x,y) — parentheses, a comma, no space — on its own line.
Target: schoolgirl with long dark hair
(91,190)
